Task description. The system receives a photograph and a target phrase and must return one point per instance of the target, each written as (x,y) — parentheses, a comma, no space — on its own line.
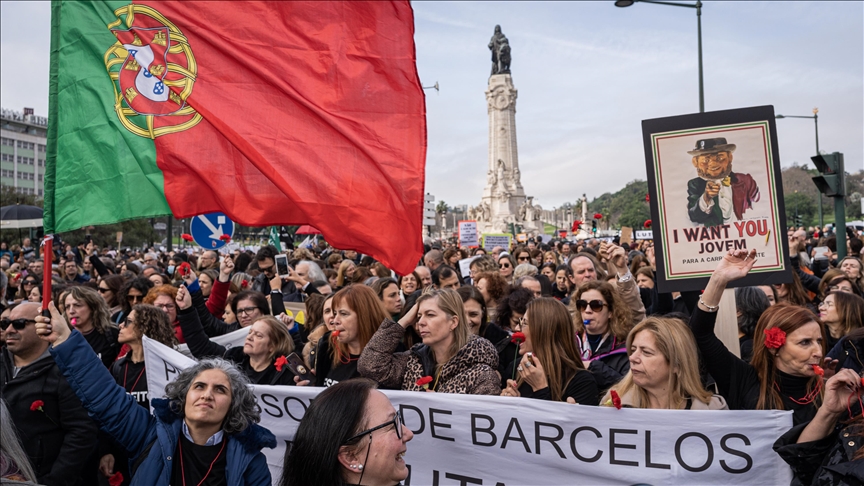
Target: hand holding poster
(469,439)
(714,182)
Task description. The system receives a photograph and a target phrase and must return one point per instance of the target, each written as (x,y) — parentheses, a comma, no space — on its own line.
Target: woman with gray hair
(14,463)
(205,428)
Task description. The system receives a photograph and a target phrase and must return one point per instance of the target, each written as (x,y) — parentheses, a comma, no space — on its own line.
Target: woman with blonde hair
(664,369)
(602,322)
(345,272)
(449,360)
(551,367)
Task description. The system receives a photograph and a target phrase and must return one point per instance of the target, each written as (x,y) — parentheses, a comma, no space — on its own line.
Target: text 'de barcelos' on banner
(503,441)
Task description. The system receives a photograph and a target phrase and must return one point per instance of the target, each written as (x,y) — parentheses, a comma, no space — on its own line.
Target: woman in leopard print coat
(456,360)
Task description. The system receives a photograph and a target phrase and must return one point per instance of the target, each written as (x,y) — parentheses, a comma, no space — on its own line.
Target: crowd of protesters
(580,322)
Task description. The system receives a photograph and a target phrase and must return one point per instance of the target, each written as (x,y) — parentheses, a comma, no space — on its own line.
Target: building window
(40,192)
(40,177)
(41,147)
(41,162)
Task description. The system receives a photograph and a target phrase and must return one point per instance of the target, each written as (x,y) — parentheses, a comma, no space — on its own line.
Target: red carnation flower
(225,238)
(647,223)
(517,338)
(244,284)
(116,479)
(280,362)
(37,405)
(774,338)
(647,197)
(616,400)
(187,237)
(598,216)
(184,269)
(424,382)
(818,370)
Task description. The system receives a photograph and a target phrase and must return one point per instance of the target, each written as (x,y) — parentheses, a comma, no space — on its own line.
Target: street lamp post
(698,7)
(815,118)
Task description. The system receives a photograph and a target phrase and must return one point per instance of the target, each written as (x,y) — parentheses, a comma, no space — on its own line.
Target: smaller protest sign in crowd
(321,366)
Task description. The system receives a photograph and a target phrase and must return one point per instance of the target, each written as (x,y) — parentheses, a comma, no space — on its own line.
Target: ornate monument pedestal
(504,199)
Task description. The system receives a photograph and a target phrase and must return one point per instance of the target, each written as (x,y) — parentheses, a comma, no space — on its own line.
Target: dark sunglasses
(596,305)
(396,422)
(505,265)
(29,282)
(133,298)
(101,290)
(18,324)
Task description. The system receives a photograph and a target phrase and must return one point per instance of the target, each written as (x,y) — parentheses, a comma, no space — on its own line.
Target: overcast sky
(587,73)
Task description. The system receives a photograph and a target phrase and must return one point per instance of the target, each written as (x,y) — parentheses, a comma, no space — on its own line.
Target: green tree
(801,205)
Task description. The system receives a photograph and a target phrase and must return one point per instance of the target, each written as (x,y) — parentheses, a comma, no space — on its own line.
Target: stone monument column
(504,198)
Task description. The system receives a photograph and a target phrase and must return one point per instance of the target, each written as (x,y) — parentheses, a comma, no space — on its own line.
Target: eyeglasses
(523,322)
(596,305)
(524,259)
(165,307)
(826,304)
(127,322)
(505,265)
(837,288)
(396,422)
(18,324)
(102,290)
(246,310)
(134,298)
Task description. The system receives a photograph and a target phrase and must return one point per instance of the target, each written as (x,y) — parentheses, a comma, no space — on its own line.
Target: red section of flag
(311,116)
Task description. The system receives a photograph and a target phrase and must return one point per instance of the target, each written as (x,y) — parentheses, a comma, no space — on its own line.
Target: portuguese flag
(276,113)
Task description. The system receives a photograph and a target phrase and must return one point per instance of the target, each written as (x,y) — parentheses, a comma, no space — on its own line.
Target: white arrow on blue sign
(207,230)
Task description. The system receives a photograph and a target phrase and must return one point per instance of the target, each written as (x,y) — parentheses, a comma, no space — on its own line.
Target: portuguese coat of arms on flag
(275,113)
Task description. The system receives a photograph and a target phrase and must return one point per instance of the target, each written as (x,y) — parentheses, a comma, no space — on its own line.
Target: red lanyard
(183,471)
(126,371)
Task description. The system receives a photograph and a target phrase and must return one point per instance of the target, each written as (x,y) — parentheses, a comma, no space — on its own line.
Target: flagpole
(47,267)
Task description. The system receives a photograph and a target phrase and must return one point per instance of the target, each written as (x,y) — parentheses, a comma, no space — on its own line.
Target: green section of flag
(97,172)
(274,238)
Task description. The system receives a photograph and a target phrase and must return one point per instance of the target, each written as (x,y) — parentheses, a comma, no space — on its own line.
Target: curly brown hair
(496,286)
(152,322)
(620,320)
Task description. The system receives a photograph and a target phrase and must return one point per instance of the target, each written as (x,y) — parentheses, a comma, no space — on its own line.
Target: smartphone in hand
(298,367)
(282,268)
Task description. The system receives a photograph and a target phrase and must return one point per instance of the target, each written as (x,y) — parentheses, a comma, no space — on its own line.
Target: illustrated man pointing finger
(718,194)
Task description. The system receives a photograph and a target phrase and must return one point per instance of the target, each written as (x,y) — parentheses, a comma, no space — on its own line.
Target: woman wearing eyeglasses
(132,293)
(350,434)
(450,359)
(551,367)
(602,321)
(506,266)
(163,296)
(109,288)
(267,340)
(26,288)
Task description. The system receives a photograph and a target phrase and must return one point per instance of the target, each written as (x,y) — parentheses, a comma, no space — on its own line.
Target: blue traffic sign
(207,230)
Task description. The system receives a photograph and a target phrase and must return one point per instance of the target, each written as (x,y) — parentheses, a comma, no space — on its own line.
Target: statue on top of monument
(500,47)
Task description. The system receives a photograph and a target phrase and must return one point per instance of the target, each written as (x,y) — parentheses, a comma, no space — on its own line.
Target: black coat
(827,461)
(59,438)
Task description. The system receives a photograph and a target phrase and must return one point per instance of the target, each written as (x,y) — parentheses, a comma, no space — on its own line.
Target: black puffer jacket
(59,438)
(824,462)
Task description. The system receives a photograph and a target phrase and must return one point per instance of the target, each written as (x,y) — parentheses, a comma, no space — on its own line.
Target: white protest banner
(490,241)
(465,265)
(466,439)
(645,235)
(468,234)
(229,340)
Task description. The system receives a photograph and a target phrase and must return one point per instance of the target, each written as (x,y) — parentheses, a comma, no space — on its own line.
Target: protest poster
(468,235)
(469,439)
(714,184)
(297,310)
(626,234)
(491,240)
